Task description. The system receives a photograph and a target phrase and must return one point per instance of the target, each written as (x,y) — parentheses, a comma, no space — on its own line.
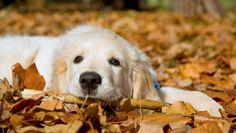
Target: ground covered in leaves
(190,53)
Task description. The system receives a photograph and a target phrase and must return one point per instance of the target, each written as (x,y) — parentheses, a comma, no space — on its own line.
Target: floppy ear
(142,75)
(141,81)
(60,65)
(59,74)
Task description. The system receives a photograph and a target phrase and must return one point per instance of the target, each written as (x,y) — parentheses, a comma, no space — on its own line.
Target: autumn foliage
(189,53)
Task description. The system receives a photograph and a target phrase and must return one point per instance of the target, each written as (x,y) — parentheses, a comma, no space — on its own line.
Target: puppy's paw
(197,99)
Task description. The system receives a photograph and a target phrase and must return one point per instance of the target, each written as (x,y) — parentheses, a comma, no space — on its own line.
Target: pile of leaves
(190,53)
(55,112)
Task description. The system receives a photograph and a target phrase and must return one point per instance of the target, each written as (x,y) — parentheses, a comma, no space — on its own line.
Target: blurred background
(187,7)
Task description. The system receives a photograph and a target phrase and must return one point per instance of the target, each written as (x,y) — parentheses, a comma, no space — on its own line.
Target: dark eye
(114,62)
(78,59)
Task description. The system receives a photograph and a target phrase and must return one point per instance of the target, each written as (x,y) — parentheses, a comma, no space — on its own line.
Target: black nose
(90,80)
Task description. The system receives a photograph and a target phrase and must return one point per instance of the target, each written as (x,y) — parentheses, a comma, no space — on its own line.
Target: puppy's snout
(90,80)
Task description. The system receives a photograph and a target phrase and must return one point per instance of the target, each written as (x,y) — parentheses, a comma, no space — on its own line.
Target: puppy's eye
(114,62)
(78,59)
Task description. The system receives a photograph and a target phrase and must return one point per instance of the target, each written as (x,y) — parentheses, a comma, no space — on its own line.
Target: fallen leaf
(222,124)
(72,127)
(190,70)
(16,121)
(30,76)
(26,103)
(49,104)
(179,107)
(230,108)
(225,83)
(232,63)
(148,122)
(184,82)
(4,111)
(233,77)
(219,95)
(209,127)
(4,87)
(232,93)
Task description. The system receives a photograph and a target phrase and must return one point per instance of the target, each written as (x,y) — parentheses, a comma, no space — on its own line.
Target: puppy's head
(100,64)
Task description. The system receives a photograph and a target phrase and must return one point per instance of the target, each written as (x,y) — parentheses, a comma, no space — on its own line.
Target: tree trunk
(197,7)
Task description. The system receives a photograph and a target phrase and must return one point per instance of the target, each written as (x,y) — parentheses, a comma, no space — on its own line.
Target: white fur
(54,58)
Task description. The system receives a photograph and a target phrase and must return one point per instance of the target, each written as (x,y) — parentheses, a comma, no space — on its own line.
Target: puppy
(93,61)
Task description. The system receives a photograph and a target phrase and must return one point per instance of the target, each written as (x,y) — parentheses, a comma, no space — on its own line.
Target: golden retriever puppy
(95,62)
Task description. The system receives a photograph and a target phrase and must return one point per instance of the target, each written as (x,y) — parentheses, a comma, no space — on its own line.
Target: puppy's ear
(59,73)
(142,82)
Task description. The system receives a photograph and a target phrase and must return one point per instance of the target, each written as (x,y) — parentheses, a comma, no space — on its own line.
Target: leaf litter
(189,53)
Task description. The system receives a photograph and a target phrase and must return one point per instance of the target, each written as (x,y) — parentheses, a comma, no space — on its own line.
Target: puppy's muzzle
(89,81)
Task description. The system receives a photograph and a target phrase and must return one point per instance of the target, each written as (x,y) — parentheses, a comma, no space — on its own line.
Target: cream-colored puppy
(96,62)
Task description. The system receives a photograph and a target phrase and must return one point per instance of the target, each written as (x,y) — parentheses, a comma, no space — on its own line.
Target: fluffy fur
(54,57)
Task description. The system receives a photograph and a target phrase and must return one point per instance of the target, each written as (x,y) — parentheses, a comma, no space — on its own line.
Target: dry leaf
(26,103)
(72,127)
(230,108)
(190,70)
(232,63)
(148,122)
(222,124)
(184,82)
(16,120)
(225,83)
(49,104)
(179,107)
(4,111)
(219,95)
(4,88)
(30,76)
(209,127)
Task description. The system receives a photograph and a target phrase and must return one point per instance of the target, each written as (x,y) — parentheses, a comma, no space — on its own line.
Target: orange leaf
(221,95)
(225,83)
(232,63)
(209,127)
(190,70)
(49,104)
(30,76)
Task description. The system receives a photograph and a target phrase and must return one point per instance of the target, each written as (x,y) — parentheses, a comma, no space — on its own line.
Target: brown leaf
(126,107)
(4,86)
(26,103)
(148,122)
(230,108)
(232,93)
(72,127)
(92,111)
(49,104)
(4,111)
(225,83)
(30,76)
(190,70)
(220,95)
(179,107)
(16,120)
(209,127)
(232,63)
(222,124)
(184,82)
